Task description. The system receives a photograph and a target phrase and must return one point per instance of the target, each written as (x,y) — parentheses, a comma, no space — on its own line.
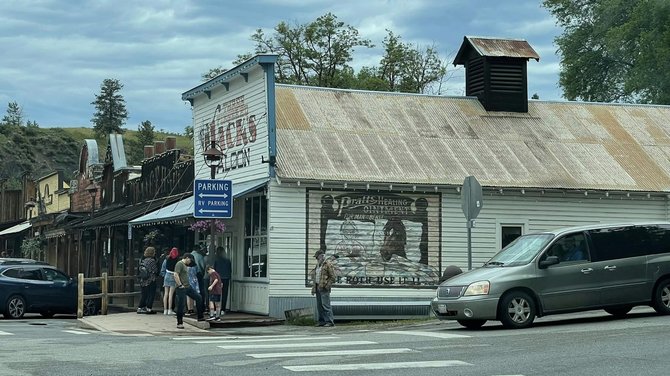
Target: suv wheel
(661,299)
(619,311)
(516,310)
(472,324)
(16,307)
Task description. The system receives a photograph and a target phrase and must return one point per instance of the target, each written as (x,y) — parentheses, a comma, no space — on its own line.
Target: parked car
(15,260)
(29,286)
(610,267)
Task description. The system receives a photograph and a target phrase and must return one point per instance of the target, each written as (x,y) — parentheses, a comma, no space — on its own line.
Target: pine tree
(110,114)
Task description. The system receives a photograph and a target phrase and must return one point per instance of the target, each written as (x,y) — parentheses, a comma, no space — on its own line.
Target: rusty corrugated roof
(357,136)
(495,47)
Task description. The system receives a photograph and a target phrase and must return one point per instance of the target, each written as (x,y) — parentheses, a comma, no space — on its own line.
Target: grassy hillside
(40,151)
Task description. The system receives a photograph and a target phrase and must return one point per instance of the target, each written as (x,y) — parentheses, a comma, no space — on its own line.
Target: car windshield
(521,251)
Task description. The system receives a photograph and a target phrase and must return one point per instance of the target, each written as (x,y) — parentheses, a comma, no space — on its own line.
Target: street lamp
(213,158)
(92,189)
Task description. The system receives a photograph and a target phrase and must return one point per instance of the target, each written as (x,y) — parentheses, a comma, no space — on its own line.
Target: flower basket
(206,225)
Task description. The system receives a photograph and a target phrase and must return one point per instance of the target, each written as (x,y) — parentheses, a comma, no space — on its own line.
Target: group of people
(188,283)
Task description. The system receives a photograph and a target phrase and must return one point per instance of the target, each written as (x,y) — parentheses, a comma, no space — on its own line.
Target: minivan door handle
(611,268)
(587,270)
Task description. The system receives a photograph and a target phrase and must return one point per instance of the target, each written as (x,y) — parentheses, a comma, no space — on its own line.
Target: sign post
(471,203)
(213,198)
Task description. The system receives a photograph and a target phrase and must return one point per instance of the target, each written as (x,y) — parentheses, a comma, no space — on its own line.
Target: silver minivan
(611,267)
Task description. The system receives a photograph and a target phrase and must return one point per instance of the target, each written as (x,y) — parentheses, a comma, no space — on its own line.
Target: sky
(56,54)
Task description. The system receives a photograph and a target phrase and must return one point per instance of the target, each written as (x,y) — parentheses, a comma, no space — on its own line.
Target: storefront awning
(184,208)
(16,229)
(178,210)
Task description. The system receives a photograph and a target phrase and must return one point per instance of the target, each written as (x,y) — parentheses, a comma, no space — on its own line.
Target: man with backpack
(147,272)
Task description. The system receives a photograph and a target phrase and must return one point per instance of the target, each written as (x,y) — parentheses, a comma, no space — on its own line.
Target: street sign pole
(471,203)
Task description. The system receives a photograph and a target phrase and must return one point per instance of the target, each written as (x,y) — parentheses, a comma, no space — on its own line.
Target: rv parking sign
(213,198)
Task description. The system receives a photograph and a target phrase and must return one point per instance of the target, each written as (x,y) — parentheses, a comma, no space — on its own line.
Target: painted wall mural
(374,238)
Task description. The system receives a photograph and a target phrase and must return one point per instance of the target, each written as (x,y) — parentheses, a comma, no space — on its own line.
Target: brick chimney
(159,147)
(171,142)
(148,151)
(495,71)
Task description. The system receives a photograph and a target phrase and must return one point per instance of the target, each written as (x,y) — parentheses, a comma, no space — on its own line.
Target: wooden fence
(104,295)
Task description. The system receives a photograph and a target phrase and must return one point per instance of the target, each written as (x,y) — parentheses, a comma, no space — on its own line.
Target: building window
(255,237)
(508,233)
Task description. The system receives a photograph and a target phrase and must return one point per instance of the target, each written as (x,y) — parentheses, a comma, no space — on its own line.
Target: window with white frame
(255,237)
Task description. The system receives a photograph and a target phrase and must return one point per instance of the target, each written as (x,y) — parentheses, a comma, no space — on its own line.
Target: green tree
(311,54)
(188,131)
(110,114)
(145,133)
(14,116)
(213,72)
(422,68)
(614,50)
(392,65)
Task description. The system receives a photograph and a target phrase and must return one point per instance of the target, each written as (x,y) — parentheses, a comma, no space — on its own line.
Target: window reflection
(255,237)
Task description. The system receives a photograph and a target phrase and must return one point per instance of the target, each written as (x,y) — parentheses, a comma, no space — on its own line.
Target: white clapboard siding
(287,239)
(536,213)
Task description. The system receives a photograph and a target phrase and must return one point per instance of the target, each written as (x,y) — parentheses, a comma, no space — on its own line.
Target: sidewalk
(131,323)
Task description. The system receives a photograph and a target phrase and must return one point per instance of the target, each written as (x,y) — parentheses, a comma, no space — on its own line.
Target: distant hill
(40,151)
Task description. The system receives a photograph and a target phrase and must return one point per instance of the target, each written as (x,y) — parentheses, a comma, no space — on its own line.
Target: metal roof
(359,136)
(495,47)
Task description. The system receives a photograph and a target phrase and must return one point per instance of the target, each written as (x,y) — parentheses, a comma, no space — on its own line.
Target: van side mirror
(549,261)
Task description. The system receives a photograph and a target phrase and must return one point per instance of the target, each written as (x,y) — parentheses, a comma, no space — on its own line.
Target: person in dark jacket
(224,269)
(148,284)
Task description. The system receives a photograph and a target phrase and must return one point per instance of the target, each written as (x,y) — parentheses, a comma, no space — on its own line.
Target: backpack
(142,271)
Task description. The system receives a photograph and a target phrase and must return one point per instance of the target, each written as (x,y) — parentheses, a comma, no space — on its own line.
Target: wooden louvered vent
(475,84)
(506,85)
(495,72)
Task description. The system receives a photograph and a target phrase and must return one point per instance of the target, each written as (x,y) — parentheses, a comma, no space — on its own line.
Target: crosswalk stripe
(75,332)
(234,337)
(5,333)
(266,339)
(330,353)
(294,345)
(425,334)
(376,366)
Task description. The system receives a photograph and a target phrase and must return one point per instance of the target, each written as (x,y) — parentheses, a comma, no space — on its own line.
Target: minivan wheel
(16,307)
(516,310)
(661,301)
(472,324)
(618,311)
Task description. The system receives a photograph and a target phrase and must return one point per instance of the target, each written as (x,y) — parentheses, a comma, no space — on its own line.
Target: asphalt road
(581,344)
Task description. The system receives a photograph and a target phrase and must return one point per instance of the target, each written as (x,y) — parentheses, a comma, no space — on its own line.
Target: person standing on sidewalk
(169,282)
(224,269)
(148,284)
(184,289)
(214,290)
(323,276)
(199,258)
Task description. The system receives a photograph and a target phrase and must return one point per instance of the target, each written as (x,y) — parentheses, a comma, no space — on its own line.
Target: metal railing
(104,288)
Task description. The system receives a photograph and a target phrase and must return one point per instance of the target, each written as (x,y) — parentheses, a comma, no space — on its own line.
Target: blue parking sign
(213,198)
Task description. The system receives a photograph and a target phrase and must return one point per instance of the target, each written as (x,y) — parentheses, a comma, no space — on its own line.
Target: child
(214,292)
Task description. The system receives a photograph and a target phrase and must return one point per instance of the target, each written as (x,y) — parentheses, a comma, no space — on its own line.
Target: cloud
(57,53)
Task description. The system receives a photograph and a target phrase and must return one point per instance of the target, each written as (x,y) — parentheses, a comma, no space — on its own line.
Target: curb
(204,325)
(85,324)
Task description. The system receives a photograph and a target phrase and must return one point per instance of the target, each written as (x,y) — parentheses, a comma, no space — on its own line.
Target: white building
(375,177)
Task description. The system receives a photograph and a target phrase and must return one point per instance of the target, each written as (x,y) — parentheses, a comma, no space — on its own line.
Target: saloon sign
(233,129)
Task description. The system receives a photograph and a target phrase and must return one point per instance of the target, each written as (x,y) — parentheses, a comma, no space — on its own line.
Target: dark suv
(29,286)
